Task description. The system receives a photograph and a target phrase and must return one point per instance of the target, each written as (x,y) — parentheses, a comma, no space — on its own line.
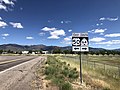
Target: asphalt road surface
(19,75)
(13,61)
(9,58)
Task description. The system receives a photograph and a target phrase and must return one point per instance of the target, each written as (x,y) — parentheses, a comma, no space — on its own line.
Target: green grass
(106,77)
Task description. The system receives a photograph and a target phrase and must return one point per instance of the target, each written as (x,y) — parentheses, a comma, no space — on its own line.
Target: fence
(110,70)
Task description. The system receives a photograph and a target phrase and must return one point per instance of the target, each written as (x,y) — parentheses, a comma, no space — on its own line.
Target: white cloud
(16,25)
(53,37)
(112,42)
(58,32)
(3,7)
(3,24)
(67,40)
(0,18)
(21,8)
(109,19)
(99,24)
(5,35)
(91,31)
(49,21)
(102,18)
(69,30)
(41,33)
(101,31)
(29,38)
(112,19)
(62,22)
(97,39)
(6,4)
(65,22)
(49,29)
(55,34)
(113,35)
(67,43)
(108,45)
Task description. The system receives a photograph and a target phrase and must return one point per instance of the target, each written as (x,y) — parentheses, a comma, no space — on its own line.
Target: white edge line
(15,66)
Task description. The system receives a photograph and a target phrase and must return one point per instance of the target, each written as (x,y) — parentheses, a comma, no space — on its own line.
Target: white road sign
(76,41)
(80,42)
(76,48)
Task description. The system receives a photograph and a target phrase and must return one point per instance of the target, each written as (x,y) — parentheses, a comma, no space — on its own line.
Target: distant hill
(117,49)
(16,47)
(96,49)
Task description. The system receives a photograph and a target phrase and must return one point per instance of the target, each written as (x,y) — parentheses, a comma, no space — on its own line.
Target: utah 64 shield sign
(80,42)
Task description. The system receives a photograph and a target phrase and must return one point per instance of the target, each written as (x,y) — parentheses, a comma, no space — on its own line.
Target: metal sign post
(80,67)
(80,44)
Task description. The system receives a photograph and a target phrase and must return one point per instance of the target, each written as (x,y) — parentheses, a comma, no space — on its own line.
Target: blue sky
(52,22)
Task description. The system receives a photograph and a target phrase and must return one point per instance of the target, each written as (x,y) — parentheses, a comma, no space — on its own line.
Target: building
(44,52)
(33,53)
(25,52)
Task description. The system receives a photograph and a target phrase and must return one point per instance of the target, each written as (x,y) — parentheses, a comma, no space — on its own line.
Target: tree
(103,52)
(9,51)
(86,53)
(57,51)
(20,52)
(97,53)
(66,51)
(91,52)
(1,51)
(40,51)
(30,52)
(118,52)
(113,52)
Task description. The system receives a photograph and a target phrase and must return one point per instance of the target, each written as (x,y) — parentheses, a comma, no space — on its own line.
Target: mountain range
(16,47)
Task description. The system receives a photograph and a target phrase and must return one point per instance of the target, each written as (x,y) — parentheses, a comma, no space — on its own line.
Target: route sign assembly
(80,44)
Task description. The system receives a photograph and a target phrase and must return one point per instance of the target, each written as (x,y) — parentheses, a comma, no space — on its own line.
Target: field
(99,72)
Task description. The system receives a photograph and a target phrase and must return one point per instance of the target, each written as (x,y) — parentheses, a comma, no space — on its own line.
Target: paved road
(7,63)
(21,77)
(8,58)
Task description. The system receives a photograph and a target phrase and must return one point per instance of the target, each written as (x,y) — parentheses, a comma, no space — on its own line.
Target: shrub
(66,86)
(58,81)
(65,72)
(60,73)
(50,70)
(73,74)
(106,88)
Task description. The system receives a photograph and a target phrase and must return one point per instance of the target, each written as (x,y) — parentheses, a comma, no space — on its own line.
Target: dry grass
(95,78)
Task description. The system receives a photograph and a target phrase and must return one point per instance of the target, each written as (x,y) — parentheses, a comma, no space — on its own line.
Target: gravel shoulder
(21,76)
